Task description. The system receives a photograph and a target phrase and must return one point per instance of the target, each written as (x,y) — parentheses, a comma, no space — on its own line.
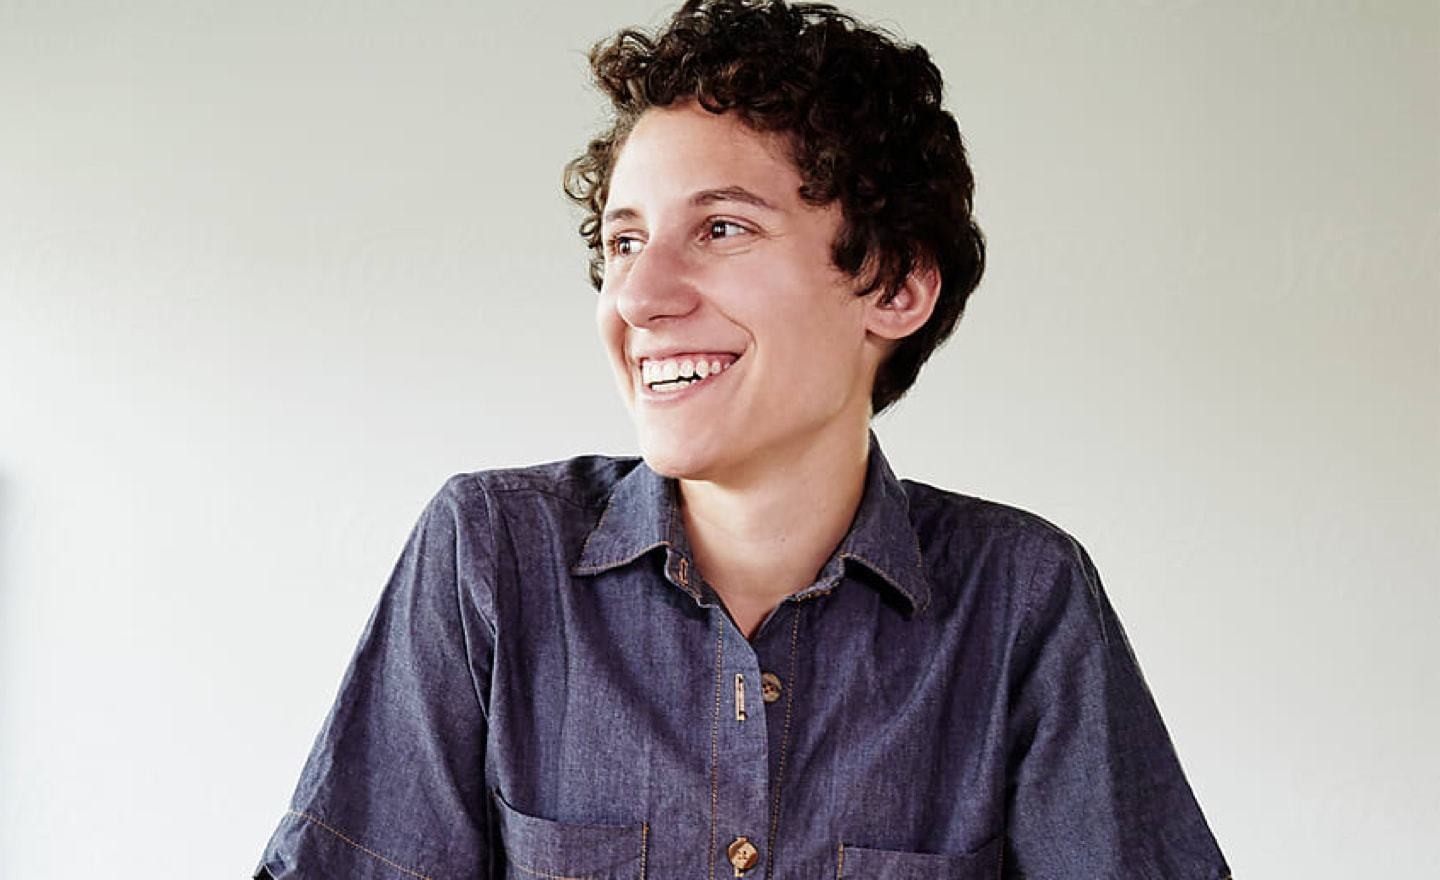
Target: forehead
(678,150)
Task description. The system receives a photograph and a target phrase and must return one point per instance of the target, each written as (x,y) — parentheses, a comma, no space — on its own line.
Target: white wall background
(269,272)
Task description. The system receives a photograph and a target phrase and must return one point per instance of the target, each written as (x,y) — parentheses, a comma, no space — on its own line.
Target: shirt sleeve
(1095,787)
(394,786)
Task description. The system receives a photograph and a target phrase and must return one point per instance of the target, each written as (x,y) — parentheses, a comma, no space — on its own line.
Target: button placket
(741,773)
(784,748)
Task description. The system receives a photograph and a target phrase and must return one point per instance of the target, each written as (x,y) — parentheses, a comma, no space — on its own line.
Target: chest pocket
(859,863)
(542,849)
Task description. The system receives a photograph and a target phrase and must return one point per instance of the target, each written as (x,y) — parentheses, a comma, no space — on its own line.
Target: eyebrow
(731,194)
(703,197)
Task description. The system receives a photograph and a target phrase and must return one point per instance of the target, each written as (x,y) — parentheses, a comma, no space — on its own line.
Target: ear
(908,309)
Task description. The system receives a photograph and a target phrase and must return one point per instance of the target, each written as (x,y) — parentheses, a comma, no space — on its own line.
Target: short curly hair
(863,116)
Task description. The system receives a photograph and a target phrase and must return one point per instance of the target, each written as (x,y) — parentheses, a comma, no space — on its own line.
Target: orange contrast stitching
(547,875)
(366,850)
(784,742)
(644,847)
(715,744)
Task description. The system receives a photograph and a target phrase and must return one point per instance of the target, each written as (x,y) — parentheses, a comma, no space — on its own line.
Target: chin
(670,462)
(677,457)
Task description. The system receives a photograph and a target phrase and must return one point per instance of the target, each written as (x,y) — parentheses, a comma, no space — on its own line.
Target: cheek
(607,322)
(610,328)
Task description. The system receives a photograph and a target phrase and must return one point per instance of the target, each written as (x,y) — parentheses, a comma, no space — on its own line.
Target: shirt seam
(484,479)
(784,742)
(548,875)
(459,603)
(1046,558)
(715,744)
(358,846)
(536,872)
(487,489)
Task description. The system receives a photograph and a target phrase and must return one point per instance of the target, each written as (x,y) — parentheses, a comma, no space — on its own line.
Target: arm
(395,784)
(1095,787)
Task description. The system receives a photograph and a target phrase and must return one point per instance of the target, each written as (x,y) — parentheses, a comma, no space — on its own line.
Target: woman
(755,652)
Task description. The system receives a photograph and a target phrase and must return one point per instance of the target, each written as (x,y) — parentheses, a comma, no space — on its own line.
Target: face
(736,344)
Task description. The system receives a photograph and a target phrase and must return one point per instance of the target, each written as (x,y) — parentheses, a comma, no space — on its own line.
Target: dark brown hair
(862,113)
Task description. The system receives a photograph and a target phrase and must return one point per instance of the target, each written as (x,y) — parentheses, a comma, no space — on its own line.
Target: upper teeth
(689,367)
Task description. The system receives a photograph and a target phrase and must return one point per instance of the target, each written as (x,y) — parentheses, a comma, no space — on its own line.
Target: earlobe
(909,307)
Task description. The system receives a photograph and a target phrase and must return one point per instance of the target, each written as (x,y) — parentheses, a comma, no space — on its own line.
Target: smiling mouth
(668,375)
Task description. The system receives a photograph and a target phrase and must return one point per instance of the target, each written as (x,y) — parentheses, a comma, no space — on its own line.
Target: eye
(724,229)
(623,244)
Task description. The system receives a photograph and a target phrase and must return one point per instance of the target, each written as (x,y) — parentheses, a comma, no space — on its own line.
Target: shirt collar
(643,515)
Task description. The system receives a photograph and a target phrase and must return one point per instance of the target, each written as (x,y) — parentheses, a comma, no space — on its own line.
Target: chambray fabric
(548,689)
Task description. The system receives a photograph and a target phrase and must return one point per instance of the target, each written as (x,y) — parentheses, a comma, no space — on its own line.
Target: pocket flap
(546,847)
(861,863)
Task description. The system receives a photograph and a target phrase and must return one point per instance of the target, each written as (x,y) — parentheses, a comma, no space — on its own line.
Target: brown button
(742,854)
(769,687)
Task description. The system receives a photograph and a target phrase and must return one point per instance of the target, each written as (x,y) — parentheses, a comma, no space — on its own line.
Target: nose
(656,285)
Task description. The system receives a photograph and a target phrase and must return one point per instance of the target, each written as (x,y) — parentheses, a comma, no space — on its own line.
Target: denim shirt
(549,689)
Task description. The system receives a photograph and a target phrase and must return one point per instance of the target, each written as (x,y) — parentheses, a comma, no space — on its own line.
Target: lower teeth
(673,383)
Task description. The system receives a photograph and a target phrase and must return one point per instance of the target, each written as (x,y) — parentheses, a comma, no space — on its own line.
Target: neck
(764,536)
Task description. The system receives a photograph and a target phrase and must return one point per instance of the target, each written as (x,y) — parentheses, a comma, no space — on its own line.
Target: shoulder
(1038,571)
(1008,555)
(584,481)
(567,496)
(486,522)
(958,520)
